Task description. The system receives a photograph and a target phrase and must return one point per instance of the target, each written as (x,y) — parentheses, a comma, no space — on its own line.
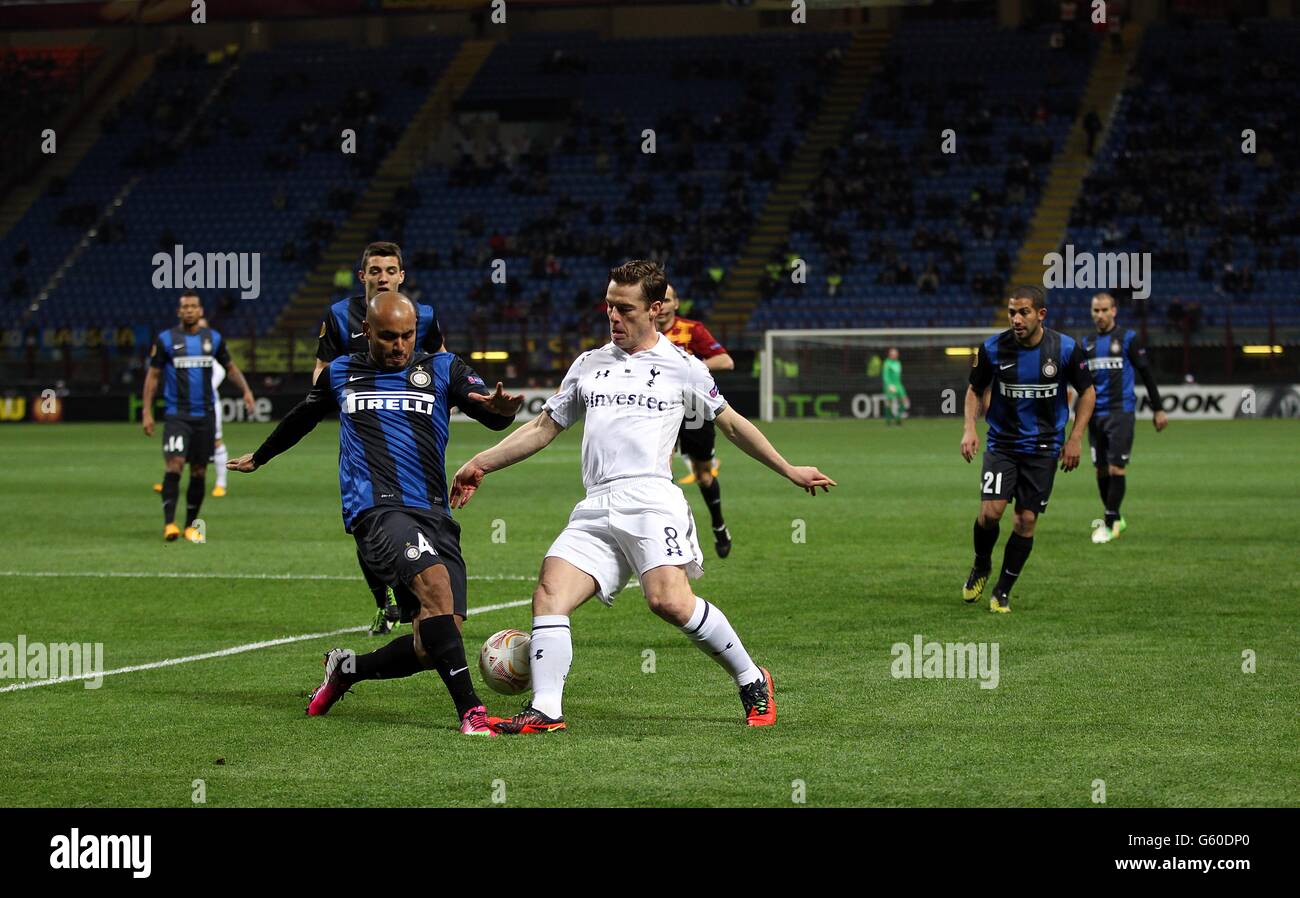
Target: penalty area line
(222,653)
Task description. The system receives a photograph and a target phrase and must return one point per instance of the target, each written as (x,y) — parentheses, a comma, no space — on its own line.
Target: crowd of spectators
(1179,179)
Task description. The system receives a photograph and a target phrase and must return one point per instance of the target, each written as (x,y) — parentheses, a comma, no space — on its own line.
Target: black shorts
(1111,438)
(192,438)
(1026,477)
(697,437)
(397,543)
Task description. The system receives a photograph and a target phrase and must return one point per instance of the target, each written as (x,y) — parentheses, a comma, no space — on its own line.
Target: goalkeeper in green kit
(896,402)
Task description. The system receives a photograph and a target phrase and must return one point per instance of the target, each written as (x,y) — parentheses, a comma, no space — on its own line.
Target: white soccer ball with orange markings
(504,662)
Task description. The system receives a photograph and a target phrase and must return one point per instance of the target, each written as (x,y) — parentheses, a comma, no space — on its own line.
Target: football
(503,661)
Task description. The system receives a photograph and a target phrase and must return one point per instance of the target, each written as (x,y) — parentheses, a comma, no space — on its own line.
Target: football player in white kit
(219,455)
(635,393)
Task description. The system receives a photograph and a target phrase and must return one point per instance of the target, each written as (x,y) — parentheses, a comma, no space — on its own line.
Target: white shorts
(629,527)
(216,436)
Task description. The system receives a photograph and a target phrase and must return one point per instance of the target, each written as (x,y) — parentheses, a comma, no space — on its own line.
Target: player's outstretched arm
(737,428)
(244,464)
(300,421)
(970,438)
(495,411)
(528,440)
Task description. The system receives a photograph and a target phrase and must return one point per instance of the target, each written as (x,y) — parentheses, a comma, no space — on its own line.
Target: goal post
(837,373)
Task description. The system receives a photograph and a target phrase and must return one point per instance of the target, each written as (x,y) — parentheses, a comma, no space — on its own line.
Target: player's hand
(500,402)
(244,464)
(146,418)
(809,478)
(248,401)
(1161,421)
(1070,453)
(468,479)
(970,444)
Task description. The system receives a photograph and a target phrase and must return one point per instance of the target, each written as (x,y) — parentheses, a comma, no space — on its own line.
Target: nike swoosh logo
(362,334)
(355,377)
(453,673)
(1005,367)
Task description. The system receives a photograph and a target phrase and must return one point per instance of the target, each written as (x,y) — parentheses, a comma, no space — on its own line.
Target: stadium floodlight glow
(492,355)
(1262,350)
(961,350)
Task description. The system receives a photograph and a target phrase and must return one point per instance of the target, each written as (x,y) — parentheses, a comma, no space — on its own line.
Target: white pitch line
(182,575)
(221,653)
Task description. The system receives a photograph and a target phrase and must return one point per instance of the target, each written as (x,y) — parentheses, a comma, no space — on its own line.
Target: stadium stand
(560,215)
(1223,228)
(892,219)
(262,173)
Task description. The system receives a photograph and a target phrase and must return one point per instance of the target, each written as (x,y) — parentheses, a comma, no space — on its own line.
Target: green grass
(1120,662)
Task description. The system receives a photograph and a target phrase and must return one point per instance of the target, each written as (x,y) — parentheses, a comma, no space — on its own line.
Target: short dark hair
(649,275)
(381,248)
(1114,303)
(185,293)
(1034,293)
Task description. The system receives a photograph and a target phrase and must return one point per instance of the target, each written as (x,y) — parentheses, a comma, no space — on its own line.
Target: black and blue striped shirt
(186,363)
(393,427)
(1115,358)
(1030,404)
(340,331)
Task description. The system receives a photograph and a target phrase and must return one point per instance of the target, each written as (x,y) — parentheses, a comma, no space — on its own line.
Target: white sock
(219,458)
(709,629)
(551,653)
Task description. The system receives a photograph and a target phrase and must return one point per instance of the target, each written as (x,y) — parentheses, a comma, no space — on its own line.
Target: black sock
(713,498)
(1013,562)
(985,539)
(389,662)
(442,643)
(1115,498)
(1103,487)
(193,498)
(171,489)
(378,588)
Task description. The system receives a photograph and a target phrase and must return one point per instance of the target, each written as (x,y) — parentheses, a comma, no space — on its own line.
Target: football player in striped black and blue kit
(393,403)
(1115,357)
(182,358)
(1028,370)
(341,334)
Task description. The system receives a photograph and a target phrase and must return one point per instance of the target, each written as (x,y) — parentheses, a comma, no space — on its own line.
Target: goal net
(837,373)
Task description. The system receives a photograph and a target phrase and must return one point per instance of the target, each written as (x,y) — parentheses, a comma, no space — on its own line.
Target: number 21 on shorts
(992,483)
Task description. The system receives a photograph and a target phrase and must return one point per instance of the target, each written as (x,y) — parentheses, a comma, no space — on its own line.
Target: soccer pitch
(1121,663)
